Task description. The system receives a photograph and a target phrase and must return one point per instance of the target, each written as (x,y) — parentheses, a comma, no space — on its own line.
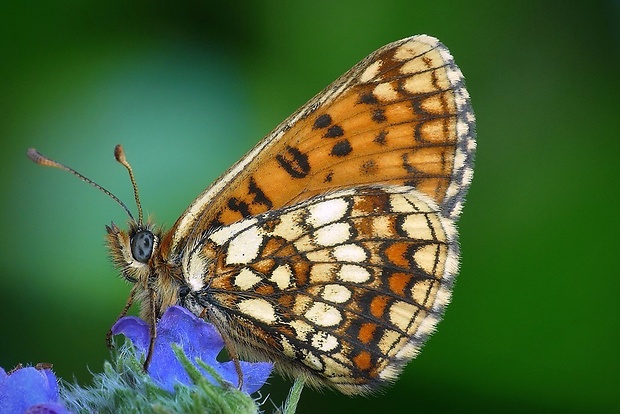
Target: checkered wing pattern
(342,288)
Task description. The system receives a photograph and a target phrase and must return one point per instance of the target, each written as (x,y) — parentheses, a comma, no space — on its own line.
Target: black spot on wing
(294,162)
(322,121)
(341,148)
(259,195)
(239,206)
(368,98)
(380,138)
(378,115)
(334,131)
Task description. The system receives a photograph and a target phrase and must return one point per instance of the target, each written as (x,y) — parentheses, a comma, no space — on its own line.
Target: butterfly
(331,247)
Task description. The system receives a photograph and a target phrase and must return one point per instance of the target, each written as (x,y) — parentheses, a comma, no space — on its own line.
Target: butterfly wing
(402,116)
(343,288)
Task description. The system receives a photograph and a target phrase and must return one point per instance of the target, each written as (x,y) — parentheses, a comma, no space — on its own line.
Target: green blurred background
(188,87)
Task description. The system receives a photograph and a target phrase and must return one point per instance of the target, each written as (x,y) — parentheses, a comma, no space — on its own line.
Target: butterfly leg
(231,350)
(152,329)
(108,337)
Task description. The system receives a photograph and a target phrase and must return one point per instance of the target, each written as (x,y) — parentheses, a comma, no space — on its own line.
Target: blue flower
(198,340)
(29,390)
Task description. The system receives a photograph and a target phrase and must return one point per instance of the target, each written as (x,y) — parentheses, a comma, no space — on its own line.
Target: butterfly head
(133,251)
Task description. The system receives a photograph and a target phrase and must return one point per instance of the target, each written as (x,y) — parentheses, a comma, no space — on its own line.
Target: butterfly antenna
(40,159)
(119,154)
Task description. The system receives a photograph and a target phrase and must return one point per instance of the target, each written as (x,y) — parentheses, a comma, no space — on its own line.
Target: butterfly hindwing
(345,286)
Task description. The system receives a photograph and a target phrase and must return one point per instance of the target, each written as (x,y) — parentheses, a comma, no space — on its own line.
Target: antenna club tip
(119,154)
(33,154)
(39,158)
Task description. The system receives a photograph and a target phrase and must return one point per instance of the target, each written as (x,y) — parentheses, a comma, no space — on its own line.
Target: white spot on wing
(427,258)
(247,279)
(327,211)
(336,293)
(414,47)
(349,253)
(259,309)
(224,234)
(417,227)
(244,247)
(324,342)
(323,314)
(388,339)
(289,227)
(371,71)
(385,92)
(302,329)
(418,84)
(333,234)
(401,314)
(281,276)
(400,204)
(353,273)
(195,270)
(459,160)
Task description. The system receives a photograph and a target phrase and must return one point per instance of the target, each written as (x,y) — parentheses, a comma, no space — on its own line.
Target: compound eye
(142,246)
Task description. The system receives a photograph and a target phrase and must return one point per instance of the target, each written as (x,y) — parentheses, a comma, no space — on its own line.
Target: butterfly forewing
(401,116)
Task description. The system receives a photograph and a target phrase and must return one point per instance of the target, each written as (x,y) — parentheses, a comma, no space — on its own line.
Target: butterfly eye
(142,246)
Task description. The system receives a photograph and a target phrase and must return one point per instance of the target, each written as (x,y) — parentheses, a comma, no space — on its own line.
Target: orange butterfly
(331,247)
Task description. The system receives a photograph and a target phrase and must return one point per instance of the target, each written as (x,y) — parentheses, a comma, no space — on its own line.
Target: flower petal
(135,329)
(198,339)
(255,374)
(27,387)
